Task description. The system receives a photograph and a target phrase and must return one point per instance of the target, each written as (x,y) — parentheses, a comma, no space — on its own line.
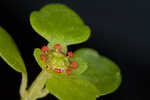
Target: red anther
(42,56)
(74,65)
(56,70)
(59,71)
(68,71)
(58,47)
(44,48)
(70,54)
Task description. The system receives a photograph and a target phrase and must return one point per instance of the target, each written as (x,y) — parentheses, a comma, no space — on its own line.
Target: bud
(74,65)
(44,48)
(70,54)
(58,47)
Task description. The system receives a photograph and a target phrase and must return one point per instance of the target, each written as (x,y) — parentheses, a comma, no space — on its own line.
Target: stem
(23,85)
(37,88)
(44,92)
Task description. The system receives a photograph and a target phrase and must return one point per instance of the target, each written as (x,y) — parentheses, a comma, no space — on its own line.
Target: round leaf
(101,71)
(59,25)
(10,53)
(72,89)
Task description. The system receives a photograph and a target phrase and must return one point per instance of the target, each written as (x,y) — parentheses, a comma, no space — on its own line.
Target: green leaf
(10,53)
(101,71)
(72,89)
(59,25)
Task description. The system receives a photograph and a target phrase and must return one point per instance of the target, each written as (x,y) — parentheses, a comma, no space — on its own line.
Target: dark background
(120,31)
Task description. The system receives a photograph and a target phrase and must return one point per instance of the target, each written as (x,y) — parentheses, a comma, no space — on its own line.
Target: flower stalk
(37,89)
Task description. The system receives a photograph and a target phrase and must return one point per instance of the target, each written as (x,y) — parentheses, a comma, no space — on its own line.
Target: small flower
(44,48)
(74,65)
(57,61)
(58,47)
(70,54)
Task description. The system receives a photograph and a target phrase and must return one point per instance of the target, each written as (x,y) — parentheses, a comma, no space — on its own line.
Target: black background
(120,31)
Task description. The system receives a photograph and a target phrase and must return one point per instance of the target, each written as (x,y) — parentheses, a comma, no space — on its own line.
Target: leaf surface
(72,89)
(59,25)
(101,71)
(10,53)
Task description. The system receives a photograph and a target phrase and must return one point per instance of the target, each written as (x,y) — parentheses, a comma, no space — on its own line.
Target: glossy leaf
(59,25)
(101,71)
(10,53)
(72,89)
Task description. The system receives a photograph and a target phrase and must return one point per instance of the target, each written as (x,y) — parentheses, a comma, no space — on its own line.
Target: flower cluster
(54,59)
